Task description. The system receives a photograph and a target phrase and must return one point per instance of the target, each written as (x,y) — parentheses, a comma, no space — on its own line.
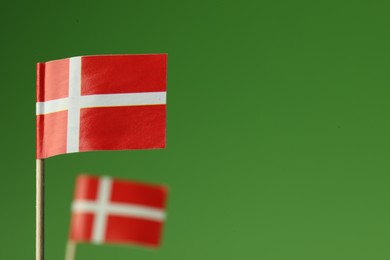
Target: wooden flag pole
(70,250)
(40,198)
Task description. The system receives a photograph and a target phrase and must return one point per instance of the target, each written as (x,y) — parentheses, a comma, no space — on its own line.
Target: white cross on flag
(107,210)
(109,102)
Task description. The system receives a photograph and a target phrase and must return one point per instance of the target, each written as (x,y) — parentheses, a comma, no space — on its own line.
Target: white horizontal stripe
(51,106)
(129,99)
(121,209)
(104,100)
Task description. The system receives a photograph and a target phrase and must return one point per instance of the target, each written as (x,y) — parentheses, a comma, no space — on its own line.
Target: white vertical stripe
(73,132)
(100,221)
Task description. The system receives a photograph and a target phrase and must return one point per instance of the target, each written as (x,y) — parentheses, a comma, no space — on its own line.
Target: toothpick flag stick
(40,210)
(70,250)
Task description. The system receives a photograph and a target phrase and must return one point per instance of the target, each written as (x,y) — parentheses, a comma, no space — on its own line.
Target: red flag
(107,210)
(110,102)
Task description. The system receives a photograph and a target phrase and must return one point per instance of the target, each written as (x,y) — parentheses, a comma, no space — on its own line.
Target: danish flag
(107,210)
(109,102)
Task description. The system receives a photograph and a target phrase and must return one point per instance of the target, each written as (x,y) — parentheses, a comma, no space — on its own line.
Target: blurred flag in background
(107,210)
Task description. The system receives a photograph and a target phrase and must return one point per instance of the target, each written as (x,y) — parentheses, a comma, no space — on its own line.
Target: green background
(278,126)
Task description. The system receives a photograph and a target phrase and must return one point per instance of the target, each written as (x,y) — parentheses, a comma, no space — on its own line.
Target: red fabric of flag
(109,102)
(114,211)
